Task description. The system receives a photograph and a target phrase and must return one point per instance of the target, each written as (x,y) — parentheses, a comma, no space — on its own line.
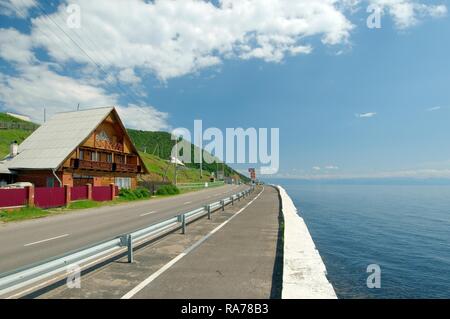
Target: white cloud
(128,76)
(37,87)
(19,8)
(407,13)
(316,168)
(15,46)
(331,167)
(145,118)
(366,115)
(174,38)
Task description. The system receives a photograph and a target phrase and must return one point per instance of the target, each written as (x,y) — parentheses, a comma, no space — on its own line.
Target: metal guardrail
(200,185)
(28,275)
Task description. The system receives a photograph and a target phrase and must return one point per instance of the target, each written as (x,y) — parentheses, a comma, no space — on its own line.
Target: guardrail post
(208,209)
(232,200)
(183,224)
(130,249)
(222,202)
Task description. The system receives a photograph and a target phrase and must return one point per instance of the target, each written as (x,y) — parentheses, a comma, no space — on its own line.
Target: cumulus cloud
(316,168)
(174,38)
(168,39)
(147,118)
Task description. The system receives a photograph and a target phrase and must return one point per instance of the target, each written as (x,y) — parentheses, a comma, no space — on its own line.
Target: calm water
(404,229)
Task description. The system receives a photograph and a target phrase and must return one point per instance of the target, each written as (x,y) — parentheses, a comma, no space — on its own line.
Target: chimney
(14,149)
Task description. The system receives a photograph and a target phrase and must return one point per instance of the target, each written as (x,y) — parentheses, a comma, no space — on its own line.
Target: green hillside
(163,170)
(12,129)
(161,144)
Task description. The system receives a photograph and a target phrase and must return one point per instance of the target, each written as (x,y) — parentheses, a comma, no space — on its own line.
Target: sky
(349,101)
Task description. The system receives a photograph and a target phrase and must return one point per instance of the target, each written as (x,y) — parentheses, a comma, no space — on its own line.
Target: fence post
(232,200)
(68,196)
(130,249)
(89,191)
(113,190)
(223,205)
(30,199)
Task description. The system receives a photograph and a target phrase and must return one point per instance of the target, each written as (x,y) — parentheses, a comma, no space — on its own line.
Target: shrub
(135,194)
(168,190)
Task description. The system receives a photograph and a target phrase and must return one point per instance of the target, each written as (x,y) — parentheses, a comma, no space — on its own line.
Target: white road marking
(149,213)
(155,275)
(45,240)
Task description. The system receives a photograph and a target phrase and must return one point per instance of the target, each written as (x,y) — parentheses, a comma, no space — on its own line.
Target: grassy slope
(161,144)
(160,168)
(7,136)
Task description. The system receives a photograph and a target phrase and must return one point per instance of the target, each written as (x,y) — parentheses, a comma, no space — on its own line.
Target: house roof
(4,165)
(53,142)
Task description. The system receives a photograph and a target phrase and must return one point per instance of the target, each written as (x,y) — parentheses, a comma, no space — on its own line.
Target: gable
(110,135)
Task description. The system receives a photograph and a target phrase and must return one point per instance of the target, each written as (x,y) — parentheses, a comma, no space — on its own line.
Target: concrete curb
(304,273)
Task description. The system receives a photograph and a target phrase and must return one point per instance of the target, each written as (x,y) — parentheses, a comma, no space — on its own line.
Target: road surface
(32,241)
(236,254)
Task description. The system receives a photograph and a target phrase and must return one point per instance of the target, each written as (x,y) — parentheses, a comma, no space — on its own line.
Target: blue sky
(314,89)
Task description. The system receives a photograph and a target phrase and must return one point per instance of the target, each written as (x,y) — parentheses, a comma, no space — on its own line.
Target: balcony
(126,168)
(104,166)
(91,165)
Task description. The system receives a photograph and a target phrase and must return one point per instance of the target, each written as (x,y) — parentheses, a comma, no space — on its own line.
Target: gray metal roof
(55,140)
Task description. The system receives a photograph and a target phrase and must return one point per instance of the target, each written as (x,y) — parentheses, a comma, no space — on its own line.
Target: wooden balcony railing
(127,168)
(104,166)
(91,165)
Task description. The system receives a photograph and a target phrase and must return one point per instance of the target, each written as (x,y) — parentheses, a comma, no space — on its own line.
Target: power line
(117,84)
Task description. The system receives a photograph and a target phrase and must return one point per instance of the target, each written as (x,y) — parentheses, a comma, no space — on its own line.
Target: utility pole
(176,160)
(45,115)
(201,157)
(78,107)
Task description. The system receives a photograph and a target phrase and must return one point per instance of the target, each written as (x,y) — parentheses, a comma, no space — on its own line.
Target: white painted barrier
(304,273)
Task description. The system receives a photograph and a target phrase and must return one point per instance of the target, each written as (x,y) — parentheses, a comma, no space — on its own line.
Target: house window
(94,156)
(109,158)
(50,182)
(81,157)
(123,182)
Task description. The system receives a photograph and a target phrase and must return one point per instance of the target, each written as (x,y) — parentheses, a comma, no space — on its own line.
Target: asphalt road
(36,240)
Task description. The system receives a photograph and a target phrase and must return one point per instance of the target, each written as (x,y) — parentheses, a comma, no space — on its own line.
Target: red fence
(101,193)
(13,197)
(79,193)
(48,197)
